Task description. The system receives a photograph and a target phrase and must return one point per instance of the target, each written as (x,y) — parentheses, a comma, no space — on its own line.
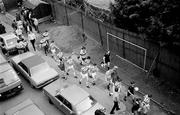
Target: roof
(74,94)
(4,67)
(7,36)
(33,61)
(2,59)
(27,107)
(31,4)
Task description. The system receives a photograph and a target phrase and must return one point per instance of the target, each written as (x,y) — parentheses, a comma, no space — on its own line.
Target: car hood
(92,110)
(44,76)
(8,77)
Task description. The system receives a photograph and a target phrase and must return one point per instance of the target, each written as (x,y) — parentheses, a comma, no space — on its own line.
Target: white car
(10,82)
(10,41)
(71,99)
(27,107)
(35,69)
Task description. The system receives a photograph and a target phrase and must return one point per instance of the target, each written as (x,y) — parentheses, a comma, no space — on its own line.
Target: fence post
(123,46)
(100,36)
(66,15)
(82,21)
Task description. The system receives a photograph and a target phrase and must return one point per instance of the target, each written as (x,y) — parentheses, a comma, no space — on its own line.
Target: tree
(158,19)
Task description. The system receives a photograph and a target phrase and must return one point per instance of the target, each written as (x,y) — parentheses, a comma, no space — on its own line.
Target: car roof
(33,61)
(2,59)
(7,36)
(27,107)
(74,94)
(5,67)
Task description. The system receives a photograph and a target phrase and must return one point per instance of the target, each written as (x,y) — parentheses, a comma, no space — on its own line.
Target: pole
(66,13)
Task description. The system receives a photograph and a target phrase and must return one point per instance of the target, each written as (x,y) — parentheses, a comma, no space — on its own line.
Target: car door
(24,70)
(64,105)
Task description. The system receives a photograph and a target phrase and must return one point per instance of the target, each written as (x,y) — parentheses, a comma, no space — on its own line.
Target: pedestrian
(114,75)
(2,29)
(19,33)
(108,78)
(61,66)
(82,56)
(136,106)
(93,72)
(14,25)
(130,90)
(84,75)
(18,17)
(106,59)
(87,61)
(115,99)
(35,24)
(44,45)
(32,39)
(70,66)
(53,48)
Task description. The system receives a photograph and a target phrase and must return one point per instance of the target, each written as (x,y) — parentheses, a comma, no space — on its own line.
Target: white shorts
(84,75)
(70,67)
(93,74)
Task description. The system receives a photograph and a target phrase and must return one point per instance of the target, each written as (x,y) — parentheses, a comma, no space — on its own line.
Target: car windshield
(86,104)
(11,41)
(39,68)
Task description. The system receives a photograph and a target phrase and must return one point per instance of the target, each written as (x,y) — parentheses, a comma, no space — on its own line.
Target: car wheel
(50,102)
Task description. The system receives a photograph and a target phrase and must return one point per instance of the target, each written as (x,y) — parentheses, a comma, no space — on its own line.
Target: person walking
(115,99)
(84,75)
(130,90)
(14,25)
(53,48)
(108,78)
(32,39)
(106,59)
(35,24)
(70,66)
(93,72)
(82,54)
(44,44)
(61,66)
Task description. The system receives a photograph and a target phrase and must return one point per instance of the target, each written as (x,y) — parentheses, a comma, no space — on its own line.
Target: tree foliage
(158,19)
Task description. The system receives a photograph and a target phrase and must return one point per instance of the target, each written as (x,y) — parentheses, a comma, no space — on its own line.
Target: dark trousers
(33,44)
(46,49)
(116,106)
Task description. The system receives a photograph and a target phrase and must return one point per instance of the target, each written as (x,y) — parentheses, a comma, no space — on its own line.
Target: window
(85,104)
(64,101)
(24,67)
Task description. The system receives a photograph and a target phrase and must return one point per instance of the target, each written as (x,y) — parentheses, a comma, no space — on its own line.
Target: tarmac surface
(99,92)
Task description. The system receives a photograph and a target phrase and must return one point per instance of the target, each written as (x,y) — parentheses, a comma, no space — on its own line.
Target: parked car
(10,41)
(35,69)
(26,107)
(10,83)
(71,99)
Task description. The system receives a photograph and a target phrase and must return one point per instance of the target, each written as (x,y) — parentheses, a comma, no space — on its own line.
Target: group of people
(25,24)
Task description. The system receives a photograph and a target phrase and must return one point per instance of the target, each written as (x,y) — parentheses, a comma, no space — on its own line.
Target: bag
(99,112)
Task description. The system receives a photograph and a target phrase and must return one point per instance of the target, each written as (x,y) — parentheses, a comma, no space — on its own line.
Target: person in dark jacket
(2,29)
